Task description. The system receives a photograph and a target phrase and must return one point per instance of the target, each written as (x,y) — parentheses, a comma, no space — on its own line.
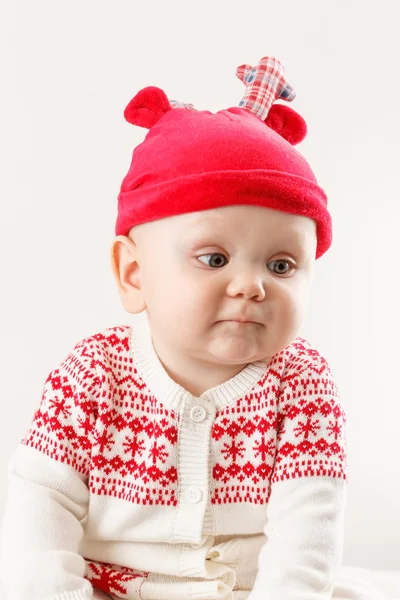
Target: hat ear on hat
(147,107)
(287,122)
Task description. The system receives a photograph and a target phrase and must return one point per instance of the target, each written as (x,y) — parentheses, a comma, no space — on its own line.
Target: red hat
(195,160)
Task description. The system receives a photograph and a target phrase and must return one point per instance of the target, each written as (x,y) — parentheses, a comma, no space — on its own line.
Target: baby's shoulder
(109,348)
(307,382)
(110,339)
(301,357)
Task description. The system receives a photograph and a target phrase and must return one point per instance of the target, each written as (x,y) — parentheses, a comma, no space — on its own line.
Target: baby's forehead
(234,221)
(225,216)
(242,218)
(184,223)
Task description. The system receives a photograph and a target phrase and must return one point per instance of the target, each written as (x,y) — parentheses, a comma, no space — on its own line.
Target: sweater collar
(172,394)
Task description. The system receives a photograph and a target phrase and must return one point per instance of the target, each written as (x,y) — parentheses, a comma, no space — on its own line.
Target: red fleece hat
(196,160)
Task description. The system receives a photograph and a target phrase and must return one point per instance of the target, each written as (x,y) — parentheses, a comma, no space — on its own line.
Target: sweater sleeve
(47,494)
(305,514)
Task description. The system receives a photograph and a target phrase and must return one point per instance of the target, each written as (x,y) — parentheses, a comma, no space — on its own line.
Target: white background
(68,69)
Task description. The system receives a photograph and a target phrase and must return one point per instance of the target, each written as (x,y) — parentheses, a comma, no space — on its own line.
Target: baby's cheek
(295,313)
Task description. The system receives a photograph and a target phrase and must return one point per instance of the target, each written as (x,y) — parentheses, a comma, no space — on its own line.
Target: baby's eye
(283,266)
(217,261)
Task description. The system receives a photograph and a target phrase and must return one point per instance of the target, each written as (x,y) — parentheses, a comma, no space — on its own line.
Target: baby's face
(203,273)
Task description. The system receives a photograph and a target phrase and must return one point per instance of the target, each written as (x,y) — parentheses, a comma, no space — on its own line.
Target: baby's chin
(237,352)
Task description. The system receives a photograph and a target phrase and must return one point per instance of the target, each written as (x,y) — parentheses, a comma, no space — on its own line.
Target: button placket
(193,494)
(198,413)
(194,440)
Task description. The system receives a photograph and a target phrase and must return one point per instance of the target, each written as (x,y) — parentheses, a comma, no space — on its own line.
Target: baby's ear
(147,107)
(126,271)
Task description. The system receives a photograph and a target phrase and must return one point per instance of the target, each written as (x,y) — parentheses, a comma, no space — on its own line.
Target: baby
(199,452)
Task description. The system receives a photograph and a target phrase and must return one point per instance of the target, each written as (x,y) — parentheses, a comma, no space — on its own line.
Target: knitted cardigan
(127,483)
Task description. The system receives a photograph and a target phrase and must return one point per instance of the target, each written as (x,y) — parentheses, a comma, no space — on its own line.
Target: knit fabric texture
(163,478)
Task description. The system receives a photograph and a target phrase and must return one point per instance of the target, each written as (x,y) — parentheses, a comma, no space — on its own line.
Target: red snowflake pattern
(98,415)
(110,578)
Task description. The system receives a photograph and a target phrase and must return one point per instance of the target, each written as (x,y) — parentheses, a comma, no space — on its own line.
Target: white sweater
(127,483)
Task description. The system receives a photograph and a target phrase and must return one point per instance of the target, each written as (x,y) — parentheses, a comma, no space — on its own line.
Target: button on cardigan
(127,483)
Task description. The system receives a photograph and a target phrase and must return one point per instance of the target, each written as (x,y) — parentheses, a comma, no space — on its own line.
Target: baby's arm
(305,514)
(47,490)
(304,545)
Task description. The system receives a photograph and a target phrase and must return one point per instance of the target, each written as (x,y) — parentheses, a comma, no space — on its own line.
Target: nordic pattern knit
(127,483)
